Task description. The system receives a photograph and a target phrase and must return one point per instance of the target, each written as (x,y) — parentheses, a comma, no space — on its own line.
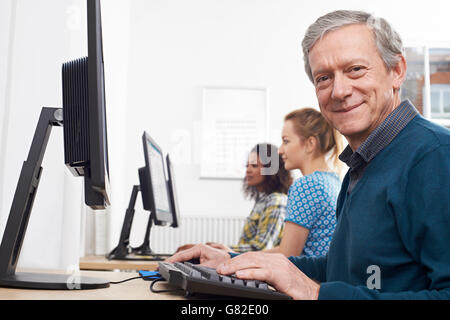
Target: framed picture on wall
(234,119)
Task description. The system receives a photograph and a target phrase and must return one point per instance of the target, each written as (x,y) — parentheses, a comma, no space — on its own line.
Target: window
(427,82)
(414,84)
(440,83)
(440,100)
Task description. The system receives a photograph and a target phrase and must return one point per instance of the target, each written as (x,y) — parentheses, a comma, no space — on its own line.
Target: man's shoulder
(420,140)
(428,132)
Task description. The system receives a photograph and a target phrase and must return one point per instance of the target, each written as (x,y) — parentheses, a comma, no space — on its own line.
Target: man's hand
(184,247)
(219,246)
(274,269)
(208,256)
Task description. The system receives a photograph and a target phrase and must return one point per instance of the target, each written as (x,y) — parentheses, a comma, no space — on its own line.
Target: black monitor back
(84,113)
(173,194)
(85,148)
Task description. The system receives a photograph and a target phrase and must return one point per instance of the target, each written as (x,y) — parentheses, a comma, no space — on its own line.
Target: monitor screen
(158,178)
(155,191)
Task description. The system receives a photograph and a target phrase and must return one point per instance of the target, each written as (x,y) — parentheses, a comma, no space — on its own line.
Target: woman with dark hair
(267,183)
(275,178)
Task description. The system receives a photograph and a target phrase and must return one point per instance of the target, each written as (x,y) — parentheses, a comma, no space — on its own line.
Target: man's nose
(341,87)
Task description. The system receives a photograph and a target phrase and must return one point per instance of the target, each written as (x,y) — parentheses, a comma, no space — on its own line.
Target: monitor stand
(144,252)
(19,215)
(124,251)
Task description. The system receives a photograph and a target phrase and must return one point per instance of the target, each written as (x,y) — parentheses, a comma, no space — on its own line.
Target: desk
(137,289)
(102,263)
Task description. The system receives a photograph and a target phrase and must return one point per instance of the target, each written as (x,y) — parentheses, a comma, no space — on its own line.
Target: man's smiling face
(354,89)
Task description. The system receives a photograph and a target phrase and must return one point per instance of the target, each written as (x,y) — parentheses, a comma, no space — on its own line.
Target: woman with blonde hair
(308,144)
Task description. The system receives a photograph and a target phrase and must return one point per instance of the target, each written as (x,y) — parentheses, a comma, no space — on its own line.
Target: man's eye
(321,79)
(356,69)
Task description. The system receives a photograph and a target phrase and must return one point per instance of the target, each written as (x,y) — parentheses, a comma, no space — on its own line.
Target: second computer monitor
(173,193)
(154,187)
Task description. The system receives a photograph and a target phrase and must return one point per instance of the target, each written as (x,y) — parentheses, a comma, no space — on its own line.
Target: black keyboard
(194,278)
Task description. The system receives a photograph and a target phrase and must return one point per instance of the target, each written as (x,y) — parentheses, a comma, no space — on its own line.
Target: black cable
(160,291)
(117,282)
(155,280)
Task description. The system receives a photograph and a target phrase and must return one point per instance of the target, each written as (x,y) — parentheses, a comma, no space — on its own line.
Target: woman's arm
(293,241)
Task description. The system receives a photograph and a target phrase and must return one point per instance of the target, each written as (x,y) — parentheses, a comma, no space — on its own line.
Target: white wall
(179,46)
(46,34)
(41,43)
(158,55)
(7,11)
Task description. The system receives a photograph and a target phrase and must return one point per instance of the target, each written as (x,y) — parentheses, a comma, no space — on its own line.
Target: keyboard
(194,278)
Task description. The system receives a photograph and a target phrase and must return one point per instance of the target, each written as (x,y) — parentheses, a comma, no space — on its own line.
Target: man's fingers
(185,255)
(254,274)
(243,261)
(184,247)
(209,263)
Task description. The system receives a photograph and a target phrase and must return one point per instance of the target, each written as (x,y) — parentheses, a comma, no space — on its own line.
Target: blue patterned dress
(312,204)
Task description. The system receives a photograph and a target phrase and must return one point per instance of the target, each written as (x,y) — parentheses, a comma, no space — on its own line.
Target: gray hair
(387,40)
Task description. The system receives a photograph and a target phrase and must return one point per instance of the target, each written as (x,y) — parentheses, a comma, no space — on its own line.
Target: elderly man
(392,239)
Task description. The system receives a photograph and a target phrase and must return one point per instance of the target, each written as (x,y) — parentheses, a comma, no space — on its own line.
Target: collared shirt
(377,141)
(264,226)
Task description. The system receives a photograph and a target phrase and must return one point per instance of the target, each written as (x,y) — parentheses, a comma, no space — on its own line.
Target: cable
(160,291)
(152,277)
(148,277)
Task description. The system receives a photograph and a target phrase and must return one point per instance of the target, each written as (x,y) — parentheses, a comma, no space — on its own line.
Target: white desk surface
(137,289)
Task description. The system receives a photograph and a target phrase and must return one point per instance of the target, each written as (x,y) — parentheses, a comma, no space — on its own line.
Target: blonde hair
(309,122)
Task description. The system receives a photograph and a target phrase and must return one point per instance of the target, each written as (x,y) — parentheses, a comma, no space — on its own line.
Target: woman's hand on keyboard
(207,255)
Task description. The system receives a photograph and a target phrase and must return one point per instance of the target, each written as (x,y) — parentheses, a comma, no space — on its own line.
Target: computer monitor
(173,194)
(154,187)
(83,117)
(84,113)
(158,196)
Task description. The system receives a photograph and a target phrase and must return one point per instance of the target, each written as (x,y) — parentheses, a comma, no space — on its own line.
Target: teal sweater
(392,239)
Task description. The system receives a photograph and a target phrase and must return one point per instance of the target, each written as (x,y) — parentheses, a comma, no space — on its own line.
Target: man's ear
(399,73)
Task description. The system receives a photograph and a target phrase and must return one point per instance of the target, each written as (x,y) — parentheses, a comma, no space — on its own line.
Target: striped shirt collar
(380,137)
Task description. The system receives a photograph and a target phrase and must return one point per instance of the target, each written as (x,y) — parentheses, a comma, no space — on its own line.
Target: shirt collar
(381,136)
